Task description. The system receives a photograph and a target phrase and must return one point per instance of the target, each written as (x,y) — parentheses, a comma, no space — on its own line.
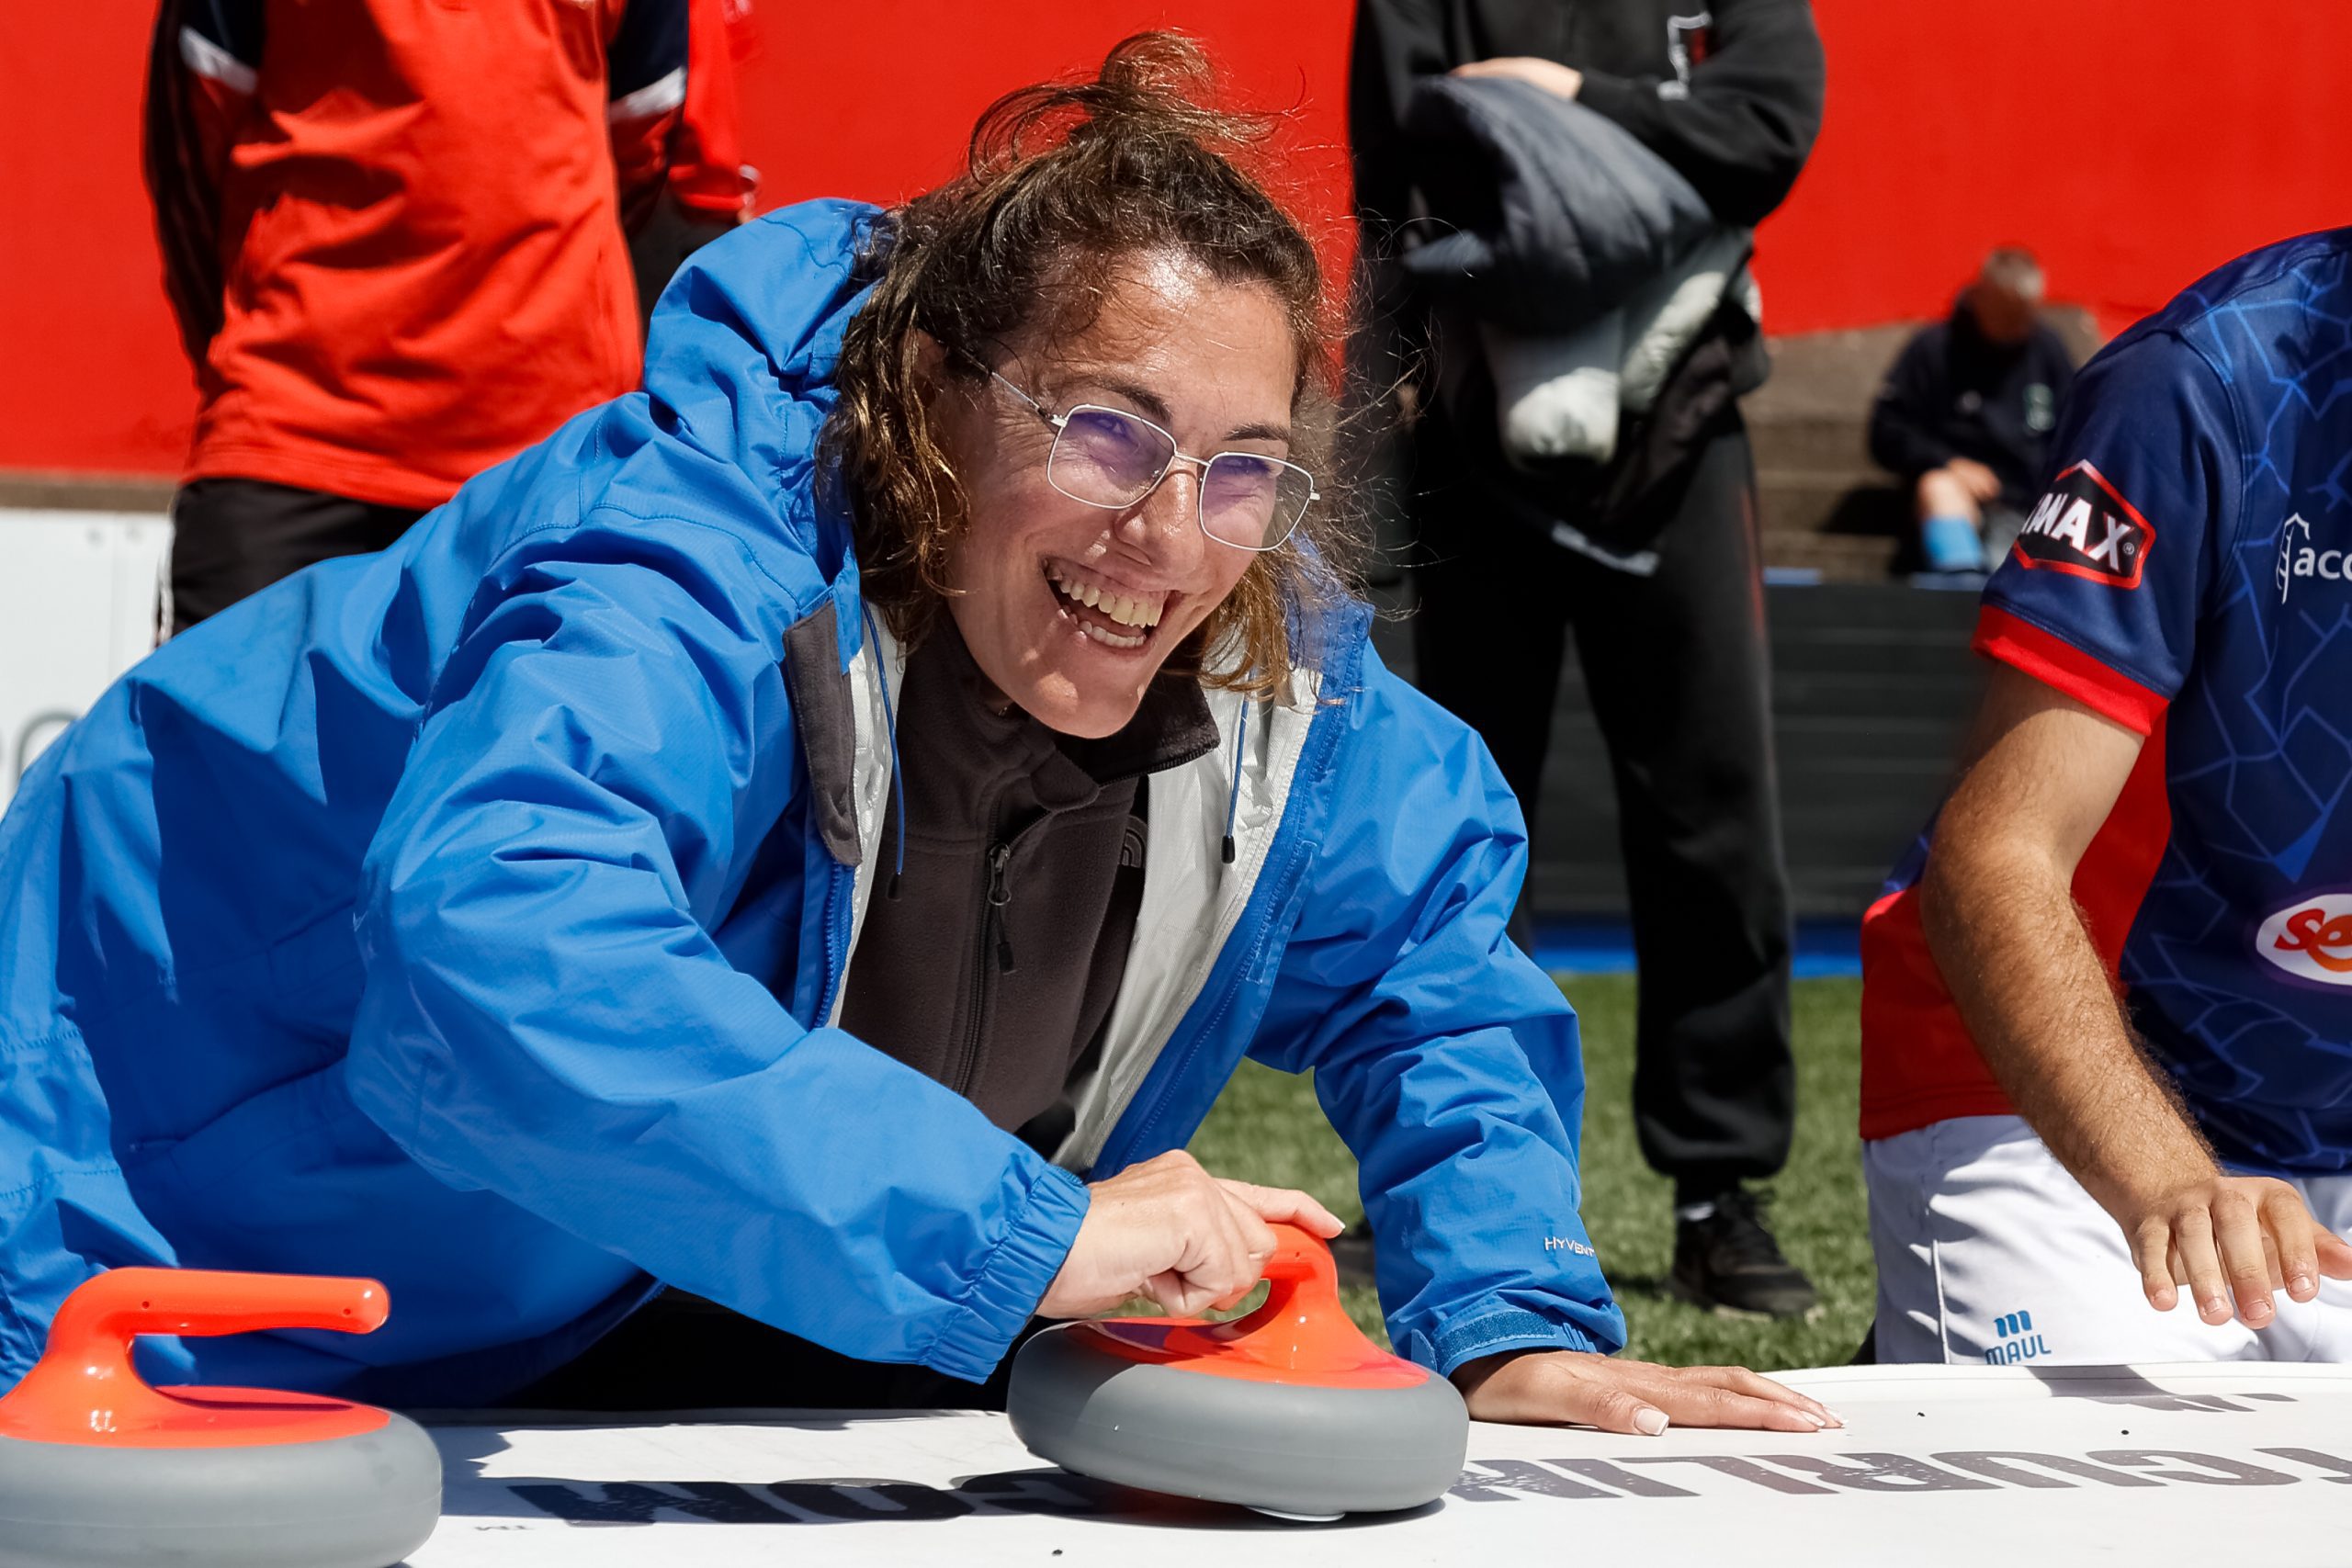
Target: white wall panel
(77,608)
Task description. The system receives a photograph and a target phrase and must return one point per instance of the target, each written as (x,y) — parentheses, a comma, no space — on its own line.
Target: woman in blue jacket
(817,834)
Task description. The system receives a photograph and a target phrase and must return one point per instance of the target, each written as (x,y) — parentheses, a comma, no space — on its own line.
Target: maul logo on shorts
(2018,1341)
(2084,527)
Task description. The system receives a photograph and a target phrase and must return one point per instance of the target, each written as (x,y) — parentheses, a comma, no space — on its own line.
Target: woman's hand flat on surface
(1550,1388)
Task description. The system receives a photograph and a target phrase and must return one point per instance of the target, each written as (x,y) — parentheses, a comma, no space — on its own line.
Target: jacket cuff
(1013,1280)
(1510,1328)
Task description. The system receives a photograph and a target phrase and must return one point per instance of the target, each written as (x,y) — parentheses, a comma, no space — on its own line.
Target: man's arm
(646,75)
(1903,438)
(204,71)
(1999,914)
(1740,130)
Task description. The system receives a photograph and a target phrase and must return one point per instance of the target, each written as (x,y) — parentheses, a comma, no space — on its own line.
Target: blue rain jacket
(472,916)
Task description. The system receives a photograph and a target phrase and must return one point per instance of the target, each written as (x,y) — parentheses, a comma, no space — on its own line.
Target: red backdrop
(2134,143)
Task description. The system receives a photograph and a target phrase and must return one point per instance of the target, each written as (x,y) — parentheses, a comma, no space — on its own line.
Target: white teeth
(1141,613)
(1111,638)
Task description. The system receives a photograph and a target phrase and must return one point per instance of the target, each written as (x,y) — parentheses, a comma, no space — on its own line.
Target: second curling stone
(1289,1410)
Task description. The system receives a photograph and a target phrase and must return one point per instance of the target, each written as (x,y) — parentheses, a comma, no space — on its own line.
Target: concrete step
(34,491)
(1820,444)
(1830,503)
(1837,557)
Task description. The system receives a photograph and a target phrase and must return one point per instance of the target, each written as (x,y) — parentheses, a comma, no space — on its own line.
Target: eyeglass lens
(1110,458)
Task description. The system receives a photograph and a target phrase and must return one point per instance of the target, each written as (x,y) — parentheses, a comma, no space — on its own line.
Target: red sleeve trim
(2063,667)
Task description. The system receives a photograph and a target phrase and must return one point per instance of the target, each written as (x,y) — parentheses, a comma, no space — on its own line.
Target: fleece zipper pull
(999,857)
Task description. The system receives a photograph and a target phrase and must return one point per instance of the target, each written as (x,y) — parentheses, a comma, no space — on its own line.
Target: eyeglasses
(1112,459)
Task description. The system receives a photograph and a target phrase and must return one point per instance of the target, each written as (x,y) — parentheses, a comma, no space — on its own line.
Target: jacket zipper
(999,857)
(994,958)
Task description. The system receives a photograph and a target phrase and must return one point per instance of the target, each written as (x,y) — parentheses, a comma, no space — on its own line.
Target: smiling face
(1069,610)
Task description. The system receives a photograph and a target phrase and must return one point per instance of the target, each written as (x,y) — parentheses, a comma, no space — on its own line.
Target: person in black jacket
(1964,415)
(1651,559)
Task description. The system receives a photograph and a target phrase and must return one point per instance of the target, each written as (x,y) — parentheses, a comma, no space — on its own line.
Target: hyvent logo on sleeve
(2084,527)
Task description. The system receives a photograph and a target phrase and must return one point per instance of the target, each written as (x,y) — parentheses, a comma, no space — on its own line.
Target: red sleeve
(2063,667)
(707,169)
(642,162)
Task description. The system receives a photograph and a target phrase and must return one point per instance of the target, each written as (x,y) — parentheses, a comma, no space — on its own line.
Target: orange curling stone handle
(1300,1334)
(84,1389)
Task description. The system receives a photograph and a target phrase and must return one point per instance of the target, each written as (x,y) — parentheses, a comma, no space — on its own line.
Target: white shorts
(1988,1251)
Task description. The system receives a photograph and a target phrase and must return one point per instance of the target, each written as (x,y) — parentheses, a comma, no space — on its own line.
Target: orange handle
(113,1308)
(1301,1258)
(1302,1281)
(86,1390)
(1299,1334)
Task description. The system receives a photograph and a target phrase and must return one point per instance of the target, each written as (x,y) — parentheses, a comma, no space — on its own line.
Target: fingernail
(2300,1283)
(1836,1419)
(1649,1423)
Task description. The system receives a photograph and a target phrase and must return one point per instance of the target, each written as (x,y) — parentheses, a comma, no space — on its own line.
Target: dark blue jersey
(2187,573)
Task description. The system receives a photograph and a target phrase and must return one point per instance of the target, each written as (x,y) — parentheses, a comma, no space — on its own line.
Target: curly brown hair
(1063,180)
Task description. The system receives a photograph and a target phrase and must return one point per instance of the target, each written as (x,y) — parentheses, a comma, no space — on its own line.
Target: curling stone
(98,1470)
(1289,1410)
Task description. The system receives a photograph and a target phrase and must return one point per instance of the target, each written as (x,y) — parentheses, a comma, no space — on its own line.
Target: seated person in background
(1965,414)
(2106,1011)
(818,833)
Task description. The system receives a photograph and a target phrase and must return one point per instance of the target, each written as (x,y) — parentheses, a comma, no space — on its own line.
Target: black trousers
(232,538)
(1679,670)
(681,1352)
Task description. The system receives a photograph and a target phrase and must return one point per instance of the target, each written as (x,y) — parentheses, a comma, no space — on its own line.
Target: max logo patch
(2084,527)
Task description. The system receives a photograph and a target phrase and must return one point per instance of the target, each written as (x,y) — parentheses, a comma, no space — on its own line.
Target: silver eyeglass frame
(1059,423)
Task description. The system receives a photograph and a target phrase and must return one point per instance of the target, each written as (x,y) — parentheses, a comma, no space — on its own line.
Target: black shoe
(1730,1263)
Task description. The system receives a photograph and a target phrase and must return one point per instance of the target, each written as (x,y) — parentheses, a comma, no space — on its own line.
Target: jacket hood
(744,344)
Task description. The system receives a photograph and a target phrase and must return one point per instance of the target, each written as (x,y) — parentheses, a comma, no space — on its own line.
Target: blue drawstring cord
(897,775)
(1233,801)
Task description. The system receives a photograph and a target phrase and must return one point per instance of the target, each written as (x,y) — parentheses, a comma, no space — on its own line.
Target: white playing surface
(1971,1467)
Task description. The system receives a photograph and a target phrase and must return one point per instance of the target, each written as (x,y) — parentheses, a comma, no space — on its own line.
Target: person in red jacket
(709,190)
(393,236)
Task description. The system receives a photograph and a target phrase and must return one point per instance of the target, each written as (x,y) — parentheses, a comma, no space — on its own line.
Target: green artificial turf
(1267,1128)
